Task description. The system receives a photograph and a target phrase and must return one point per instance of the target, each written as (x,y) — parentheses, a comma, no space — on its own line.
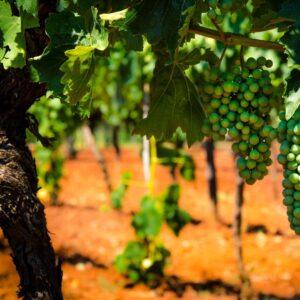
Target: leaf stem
(235,39)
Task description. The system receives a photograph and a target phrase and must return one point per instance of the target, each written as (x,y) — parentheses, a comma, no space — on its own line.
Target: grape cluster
(217,8)
(289,157)
(238,104)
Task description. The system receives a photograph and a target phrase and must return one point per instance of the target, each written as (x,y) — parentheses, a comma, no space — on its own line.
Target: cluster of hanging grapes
(289,157)
(238,104)
(217,8)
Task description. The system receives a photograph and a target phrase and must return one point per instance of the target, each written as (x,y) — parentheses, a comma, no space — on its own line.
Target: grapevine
(66,48)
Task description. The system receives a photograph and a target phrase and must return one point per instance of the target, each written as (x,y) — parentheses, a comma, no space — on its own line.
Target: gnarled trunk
(22,216)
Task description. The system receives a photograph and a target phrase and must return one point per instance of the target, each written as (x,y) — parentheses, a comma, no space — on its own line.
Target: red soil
(86,225)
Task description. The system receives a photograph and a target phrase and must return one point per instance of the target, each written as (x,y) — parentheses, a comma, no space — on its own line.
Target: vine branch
(235,39)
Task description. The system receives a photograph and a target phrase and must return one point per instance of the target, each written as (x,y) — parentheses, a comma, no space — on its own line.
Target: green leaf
(48,68)
(292,103)
(76,5)
(201,7)
(96,38)
(28,20)
(196,56)
(130,41)
(292,40)
(293,82)
(161,21)
(13,39)
(79,74)
(147,222)
(187,169)
(174,103)
(175,217)
(65,29)
(30,6)
(291,10)
(266,14)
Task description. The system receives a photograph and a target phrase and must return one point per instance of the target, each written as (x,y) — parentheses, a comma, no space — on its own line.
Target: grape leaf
(78,72)
(30,6)
(292,103)
(66,30)
(196,56)
(13,40)
(47,68)
(148,221)
(292,40)
(293,82)
(28,20)
(266,15)
(291,10)
(201,7)
(161,21)
(174,103)
(292,93)
(76,5)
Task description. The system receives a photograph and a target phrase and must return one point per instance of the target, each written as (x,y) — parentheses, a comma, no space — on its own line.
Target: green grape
(215,103)
(225,100)
(254,87)
(241,164)
(233,132)
(297,129)
(228,86)
(212,14)
(269,63)
(243,146)
(231,116)
(223,109)
(219,19)
(245,116)
(256,73)
(244,103)
(248,95)
(291,157)
(239,125)
(251,63)
(251,164)
(214,117)
(261,61)
(254,139)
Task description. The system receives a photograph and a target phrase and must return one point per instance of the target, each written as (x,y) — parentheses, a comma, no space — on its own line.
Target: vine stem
(230,39)
(222,55)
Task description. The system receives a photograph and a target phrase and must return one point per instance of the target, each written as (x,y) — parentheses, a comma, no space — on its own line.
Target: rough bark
(22,215)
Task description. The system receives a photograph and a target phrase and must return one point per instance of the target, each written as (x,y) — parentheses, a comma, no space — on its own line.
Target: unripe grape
(269,63)
(251,63)
(261,61)
(212,14)
(213,3)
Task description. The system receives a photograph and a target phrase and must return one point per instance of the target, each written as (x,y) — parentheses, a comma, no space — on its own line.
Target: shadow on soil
(78,258)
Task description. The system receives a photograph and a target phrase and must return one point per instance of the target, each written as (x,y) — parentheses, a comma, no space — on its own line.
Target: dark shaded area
(79,258)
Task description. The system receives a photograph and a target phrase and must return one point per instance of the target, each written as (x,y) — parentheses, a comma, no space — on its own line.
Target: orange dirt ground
(88,234)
